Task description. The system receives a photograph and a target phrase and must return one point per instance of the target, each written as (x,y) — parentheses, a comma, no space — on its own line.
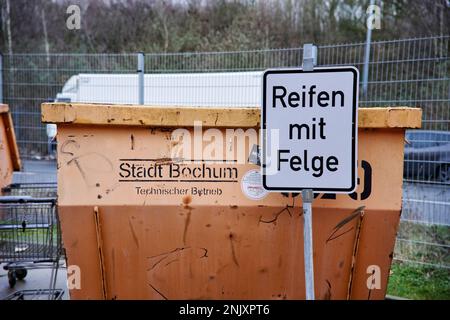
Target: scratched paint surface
(173,242)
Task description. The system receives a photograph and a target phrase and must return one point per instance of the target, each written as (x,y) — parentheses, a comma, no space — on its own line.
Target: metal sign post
(309,61)
(307,198)
(141,72)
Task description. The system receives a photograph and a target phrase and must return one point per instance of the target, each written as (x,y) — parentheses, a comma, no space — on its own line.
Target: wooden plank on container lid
(220,117)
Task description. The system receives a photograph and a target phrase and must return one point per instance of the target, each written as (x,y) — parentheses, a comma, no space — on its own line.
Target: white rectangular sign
(309,122)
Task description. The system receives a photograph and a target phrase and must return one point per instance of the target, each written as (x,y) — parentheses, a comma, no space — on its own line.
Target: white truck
(208,89)
(182,89)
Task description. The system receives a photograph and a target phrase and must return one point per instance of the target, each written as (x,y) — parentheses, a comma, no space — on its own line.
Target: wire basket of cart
(29,236)
(35,190)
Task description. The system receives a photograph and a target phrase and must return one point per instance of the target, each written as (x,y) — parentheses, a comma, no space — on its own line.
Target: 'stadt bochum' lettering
(314,129)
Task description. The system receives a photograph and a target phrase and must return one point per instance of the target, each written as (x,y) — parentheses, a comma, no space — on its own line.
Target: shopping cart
(35,190)
(36,294)
(29,236)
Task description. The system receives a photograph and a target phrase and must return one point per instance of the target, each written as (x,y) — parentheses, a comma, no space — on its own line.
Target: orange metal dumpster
(143,223)
(9,153)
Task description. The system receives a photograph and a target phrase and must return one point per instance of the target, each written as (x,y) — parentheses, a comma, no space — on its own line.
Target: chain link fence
(405,72)
(31,79)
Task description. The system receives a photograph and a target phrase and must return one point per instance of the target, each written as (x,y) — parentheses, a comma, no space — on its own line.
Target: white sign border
(355,72)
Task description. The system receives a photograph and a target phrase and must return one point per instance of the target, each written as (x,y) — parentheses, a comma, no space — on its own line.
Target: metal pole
(307,197)
(309,61)
(309,57)
(1,78)
(140,71)
(367,55)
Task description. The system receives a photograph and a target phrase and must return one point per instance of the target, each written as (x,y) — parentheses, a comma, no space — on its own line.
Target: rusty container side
(9,154)
(218,236)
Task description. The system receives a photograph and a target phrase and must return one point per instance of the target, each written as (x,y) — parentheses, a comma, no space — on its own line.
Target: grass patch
(421,243)
(419,282)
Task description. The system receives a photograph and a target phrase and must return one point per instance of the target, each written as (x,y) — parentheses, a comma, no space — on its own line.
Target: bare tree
(46,43)
(192,25)
(8,26)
